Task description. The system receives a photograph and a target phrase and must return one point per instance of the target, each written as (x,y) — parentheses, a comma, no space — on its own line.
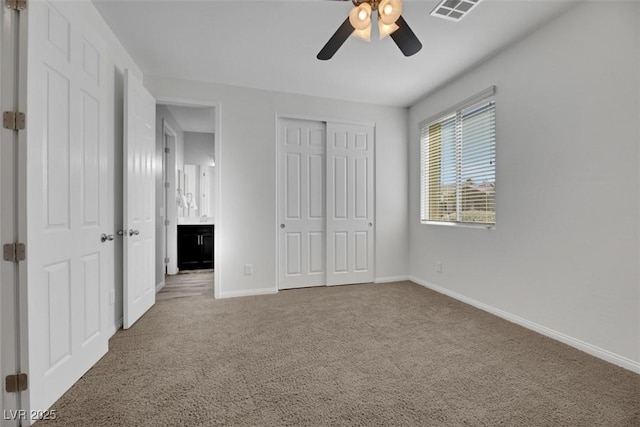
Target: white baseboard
(160,286)
(248,293)
(591,349)
(391,279)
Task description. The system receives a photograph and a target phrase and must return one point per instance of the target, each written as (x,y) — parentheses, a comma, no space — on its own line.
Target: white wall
(564,253)
(247,230)
(198,148)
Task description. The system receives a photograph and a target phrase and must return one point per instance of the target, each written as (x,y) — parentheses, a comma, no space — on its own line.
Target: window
(458,162)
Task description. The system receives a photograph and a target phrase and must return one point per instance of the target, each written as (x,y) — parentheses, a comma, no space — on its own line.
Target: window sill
(460,224)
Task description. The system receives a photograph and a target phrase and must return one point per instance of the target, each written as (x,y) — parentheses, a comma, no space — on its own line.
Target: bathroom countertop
(195,221)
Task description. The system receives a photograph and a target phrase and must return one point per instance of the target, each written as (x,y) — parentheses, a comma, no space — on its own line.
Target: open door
(139,200)
(66,189)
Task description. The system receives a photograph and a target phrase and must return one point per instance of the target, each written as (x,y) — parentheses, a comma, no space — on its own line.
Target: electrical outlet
(248,269)
(439,266)
(112,297)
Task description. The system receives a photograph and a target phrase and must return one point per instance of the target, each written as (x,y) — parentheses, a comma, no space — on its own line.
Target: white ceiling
(194,119)
(273,44)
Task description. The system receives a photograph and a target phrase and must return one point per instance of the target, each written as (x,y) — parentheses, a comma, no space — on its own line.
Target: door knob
(104,237)
(120,232)
(281,225)
(133,232)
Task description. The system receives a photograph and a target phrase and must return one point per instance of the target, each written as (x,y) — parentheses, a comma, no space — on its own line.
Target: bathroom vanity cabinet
(195,247)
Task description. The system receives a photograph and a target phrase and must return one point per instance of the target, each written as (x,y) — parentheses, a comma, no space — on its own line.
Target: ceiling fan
(358,23)
(390,23)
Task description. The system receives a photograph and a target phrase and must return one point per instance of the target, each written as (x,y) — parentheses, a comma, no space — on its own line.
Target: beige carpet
(364,355)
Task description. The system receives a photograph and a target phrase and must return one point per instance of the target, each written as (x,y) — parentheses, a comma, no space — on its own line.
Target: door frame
(13,293)
(170,211)
(324,119)
(218,236)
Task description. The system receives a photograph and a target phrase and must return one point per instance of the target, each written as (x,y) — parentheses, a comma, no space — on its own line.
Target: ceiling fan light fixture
(390,23)
(389,11)
(363,34)
(385,29)
(360,16)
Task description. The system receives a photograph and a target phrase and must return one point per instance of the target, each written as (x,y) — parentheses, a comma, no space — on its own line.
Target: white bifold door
(67,260)
(139,200)
(325,203)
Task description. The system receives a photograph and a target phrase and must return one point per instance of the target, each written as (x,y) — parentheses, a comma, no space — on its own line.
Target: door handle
(120,232)
(282,225)
(104,237)
(133,232)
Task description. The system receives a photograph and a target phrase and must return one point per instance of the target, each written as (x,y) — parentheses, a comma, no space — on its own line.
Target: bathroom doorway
(187,195)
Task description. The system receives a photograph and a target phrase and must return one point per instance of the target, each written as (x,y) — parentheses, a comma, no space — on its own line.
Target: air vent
(454,10)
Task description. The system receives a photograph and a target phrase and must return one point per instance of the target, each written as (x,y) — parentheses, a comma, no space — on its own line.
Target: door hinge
(167,150)
(166,185)
(14,252)
(166,260)
(16,4)
(13,120)
(15,383)
(167,222)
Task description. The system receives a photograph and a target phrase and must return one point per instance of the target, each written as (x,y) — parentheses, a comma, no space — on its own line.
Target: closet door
(301,204)
(350,197)
(325,204)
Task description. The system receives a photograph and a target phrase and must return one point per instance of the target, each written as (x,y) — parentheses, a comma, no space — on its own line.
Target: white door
(325,204)
(301,203)
(66,200)
(139,200)
(350,197)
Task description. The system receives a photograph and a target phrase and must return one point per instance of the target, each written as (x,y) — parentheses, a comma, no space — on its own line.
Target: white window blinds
(458,162)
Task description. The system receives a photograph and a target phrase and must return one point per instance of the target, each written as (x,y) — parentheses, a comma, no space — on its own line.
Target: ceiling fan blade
(336,40)
(405,38)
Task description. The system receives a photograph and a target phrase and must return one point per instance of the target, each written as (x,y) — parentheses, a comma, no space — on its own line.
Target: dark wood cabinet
(195,247)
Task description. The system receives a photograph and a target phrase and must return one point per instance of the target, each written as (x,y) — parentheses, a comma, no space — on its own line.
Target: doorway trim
(13,219)
(325,119)
(170,211)
(218,237)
